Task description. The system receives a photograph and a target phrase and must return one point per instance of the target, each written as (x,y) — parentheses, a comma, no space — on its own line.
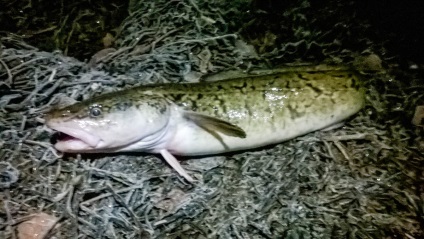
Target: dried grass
(364,180)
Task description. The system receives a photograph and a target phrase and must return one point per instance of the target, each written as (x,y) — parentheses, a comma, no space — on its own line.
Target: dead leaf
(418,118)
(99,56)
(108,40)
(371,62)
(37,227)
(173,200)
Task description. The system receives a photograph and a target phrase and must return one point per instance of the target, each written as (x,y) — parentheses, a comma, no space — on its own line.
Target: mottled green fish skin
(270,99)
(255,99)
(259,105)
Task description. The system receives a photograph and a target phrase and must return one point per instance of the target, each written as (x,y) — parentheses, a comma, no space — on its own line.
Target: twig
(26,63)
(121,201)
(43,144)
(342,150)
(9,73)
(89,224)
(347,137)
(33,93)
(119,177)
(69,202)
(105,195)
(199,40)
(153,44)
(19,146)
(8,214)
(32,33)
(23,122)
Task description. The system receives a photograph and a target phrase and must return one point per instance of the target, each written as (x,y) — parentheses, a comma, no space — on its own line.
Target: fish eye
(95,111)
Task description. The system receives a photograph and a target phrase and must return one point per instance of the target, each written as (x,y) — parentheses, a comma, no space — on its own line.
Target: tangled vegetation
(363,180)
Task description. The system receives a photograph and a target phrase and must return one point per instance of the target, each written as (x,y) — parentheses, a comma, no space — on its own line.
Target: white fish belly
(192,140)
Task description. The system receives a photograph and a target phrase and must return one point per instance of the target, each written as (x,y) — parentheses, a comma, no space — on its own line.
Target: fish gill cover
(364,180)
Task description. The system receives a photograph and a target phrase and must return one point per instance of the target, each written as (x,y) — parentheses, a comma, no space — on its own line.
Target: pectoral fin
(211,124)
(173,162)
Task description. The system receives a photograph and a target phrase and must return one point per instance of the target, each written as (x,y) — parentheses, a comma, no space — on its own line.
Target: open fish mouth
(74,140)
(60,136)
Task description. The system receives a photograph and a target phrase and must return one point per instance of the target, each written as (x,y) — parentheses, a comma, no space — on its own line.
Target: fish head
(108,122)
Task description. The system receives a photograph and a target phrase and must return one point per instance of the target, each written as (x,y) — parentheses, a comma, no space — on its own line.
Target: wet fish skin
(269,108)
(210,117)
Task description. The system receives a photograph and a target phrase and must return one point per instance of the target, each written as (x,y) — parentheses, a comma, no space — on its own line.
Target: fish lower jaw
(73,146)
(75,139)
